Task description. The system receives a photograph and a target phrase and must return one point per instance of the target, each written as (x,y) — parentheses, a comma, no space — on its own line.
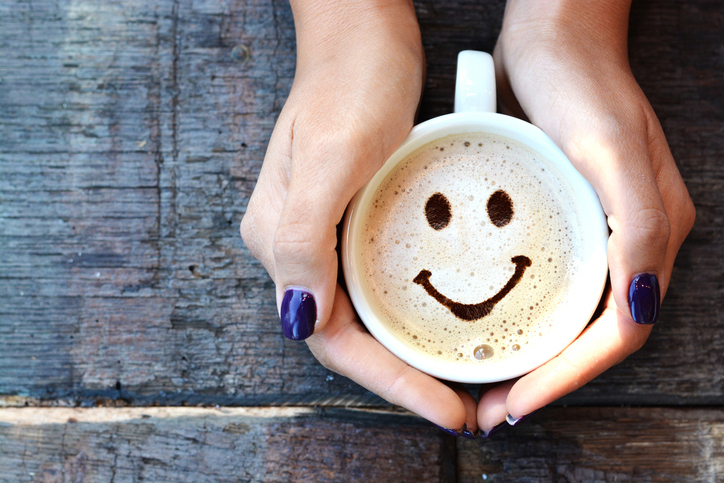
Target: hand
(358,83)
(564,66)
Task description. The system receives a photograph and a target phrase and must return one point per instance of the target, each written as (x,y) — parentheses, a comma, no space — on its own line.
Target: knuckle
(293,240)
(634,342)
(398,385)
(325,362)
(569,369)
(250,233)
(328,348)
(321,354)
(637,343)
(689,216)
(246,228)
(651,227)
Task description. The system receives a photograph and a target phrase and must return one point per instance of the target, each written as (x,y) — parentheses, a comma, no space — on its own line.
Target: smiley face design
(500,210)
(465,255)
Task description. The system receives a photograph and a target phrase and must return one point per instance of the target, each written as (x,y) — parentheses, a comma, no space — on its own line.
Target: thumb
(615,156)
(323,178)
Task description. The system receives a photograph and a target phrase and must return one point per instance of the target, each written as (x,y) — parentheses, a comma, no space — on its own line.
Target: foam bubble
(470,258)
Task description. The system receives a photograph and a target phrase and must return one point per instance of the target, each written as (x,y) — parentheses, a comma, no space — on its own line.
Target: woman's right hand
(564,65)
(358,82)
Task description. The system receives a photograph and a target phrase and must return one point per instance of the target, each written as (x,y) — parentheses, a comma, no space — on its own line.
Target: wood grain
(131,136)
(302,444)
(220,445)
(601,445)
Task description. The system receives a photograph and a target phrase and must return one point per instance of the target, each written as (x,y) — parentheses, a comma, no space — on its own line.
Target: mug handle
(475,82)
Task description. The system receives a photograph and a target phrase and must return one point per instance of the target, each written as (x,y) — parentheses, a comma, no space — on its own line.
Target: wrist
(348,10)
(315,19)
(328,27)
(569,28)
(602,18)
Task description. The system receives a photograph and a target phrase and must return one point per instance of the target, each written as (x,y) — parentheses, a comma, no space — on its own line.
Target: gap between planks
(34,416)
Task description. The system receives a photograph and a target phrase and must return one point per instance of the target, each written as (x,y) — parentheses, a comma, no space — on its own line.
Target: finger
(345,347)
(471,409)
(325,173)
(492,407)
(675,196)
(604,343)
(608,130)
(612,152)
(266,202)
(611,338)
(335,149)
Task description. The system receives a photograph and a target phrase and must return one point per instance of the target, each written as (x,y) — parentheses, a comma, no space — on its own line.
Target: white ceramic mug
(475,105)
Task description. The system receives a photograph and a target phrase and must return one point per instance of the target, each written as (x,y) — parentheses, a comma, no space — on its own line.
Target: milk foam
(470,258)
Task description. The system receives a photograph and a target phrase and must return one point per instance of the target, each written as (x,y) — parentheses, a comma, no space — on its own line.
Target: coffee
(469,248)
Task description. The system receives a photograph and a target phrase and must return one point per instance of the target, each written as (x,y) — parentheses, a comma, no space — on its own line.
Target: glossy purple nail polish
(513,421)
(488,434)
(454,432)
(470,434)
(644,298)
(298,314)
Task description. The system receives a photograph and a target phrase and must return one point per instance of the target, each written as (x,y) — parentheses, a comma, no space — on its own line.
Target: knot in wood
(240,53)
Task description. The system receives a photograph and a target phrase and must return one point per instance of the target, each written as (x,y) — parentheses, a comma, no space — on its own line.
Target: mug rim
(595,261)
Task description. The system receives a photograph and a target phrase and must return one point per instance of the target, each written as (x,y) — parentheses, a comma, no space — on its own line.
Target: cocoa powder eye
(500,208)
(438,211)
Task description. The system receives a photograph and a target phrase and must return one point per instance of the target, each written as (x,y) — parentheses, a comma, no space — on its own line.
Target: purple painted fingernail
(488,434)
(470,434)
(298,314)
(513,421)
(644,298)
(454,432)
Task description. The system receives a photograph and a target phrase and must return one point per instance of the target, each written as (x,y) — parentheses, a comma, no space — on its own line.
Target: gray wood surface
(131,137)
(224,445)
(601,445)
(302,444)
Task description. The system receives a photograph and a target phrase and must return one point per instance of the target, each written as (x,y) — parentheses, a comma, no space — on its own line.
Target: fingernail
(298,314)
(644,298)
(513,421)
(470,434)
(454,432)
(487,434)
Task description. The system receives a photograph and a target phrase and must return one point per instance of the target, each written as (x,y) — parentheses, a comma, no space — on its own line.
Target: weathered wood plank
(602,445)
(197,445)
(131,135)
(297,444)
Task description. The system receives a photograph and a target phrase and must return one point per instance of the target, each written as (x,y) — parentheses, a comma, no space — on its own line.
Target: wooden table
(139,338)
